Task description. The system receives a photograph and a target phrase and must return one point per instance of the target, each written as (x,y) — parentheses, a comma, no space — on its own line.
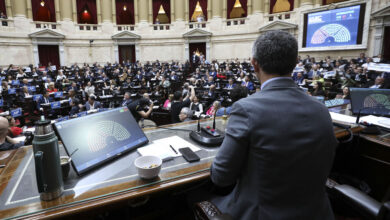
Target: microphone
(215,114)
(198,130)
(371,107)
(370,129)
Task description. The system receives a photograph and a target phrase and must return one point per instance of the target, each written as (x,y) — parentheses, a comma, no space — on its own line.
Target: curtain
(2,7)
(125,17)
(282,3)
(156,7)
(45,13)
(48,53)
(192,5)
(230,5)
(90,6)
(167,8)
(203,4)
(244,5)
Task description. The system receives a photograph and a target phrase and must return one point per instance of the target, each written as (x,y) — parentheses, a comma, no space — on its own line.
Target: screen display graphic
(370,101)
(99,137)
(337,27)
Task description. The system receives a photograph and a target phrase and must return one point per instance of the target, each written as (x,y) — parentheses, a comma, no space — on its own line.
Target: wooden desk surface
(114,182)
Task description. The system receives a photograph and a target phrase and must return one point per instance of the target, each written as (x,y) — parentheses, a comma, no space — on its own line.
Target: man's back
(283,146)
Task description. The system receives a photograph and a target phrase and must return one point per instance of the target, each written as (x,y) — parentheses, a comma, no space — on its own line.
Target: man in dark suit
(92,103)
(45,99)
(276,153)
(126,99)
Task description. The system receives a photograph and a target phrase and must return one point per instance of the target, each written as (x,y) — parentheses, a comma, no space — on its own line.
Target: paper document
(343,119)
(161,148)
(378,121)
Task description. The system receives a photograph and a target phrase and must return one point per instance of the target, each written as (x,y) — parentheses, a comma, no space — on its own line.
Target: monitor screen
(336,27)
(99,137)
(370,101)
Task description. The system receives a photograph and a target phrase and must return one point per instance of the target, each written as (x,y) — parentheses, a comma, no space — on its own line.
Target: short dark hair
(177,95)
(238,93)
(276,52)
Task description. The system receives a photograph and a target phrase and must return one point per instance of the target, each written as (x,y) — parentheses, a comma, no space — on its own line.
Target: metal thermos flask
(47,161)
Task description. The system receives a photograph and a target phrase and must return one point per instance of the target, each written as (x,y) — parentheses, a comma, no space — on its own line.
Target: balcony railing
(235,21)
(6,24)
(125,27)
(194,25)
(46,25)
(161,27)
(88,27)
(280,16)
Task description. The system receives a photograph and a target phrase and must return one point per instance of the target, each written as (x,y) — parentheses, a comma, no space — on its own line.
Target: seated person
(196,107)
(185,114)
(167,103)
(45,99)
(379,83)
(92,103)
(126,99)
(74,103)
(179,102)
(230,85)
(248,84)
(318,89)
(235,95)
(214,108)
(14,130)
(137,108)
(51,88)
(6,142)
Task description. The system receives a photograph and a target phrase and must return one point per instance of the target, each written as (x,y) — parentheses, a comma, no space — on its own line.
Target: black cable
(173,129)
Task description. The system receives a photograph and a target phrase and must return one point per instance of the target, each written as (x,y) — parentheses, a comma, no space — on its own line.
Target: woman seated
(51,88)
(196,107)
(13,129)
(214,108)
(167,103)
(318,89)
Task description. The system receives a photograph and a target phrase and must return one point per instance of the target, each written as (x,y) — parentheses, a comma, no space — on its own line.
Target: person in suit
(92,103)
(126,99)
(248,84)
(276,153)
(137,108)
(74,106)
(45,99)
(230,85)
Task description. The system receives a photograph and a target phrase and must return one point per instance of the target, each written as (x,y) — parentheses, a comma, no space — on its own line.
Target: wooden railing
(194,25)
(280,16)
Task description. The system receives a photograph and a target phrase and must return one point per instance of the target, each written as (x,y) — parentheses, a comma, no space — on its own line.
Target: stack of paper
(161,148)
(342,119)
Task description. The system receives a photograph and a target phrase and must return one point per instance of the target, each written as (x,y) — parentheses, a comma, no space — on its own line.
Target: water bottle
(47,161)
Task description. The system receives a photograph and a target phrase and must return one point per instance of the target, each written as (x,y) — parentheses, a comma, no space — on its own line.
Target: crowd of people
(174,90)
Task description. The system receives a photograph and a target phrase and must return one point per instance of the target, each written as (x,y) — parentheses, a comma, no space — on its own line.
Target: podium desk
(114,182)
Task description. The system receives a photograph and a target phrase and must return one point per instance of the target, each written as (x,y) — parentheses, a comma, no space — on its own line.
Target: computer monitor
(99,137)
(368,101)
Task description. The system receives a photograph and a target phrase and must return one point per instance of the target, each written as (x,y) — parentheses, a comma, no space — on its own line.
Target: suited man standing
(92,103)
(276,153)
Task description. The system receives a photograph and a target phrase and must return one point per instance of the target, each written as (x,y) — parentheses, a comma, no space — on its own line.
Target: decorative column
(136,16)
(150,17)
(258,6)
(113,10)
(116,51)
(266,6)
(99,11)
(179,10)
(249,6)
(186,13)
(224,8)
(209,16)
(216,8)
(19,7)
(172,2)
(8,8)
(318,2)
(106,11)
(29,10)
(35,51)
(57,9)
(143,10)
(74,10)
